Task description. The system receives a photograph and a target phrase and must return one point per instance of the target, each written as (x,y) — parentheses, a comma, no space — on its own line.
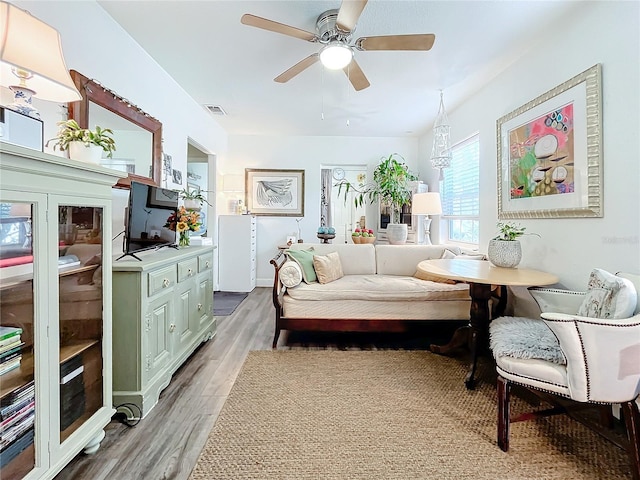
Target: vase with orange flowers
(184,222)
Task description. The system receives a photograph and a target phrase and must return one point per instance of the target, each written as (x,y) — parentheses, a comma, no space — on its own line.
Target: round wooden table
(480,275)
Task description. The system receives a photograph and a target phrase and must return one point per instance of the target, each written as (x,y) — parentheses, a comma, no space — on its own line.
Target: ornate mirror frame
(93,91)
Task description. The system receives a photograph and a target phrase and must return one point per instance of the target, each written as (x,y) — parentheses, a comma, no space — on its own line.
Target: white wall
(598,32)
(308,154)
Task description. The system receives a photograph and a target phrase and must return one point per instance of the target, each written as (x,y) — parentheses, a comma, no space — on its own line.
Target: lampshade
(426,204)
(31,60)
(441,152)
(336,56)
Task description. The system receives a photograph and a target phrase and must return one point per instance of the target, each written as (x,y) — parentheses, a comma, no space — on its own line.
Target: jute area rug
(386,415)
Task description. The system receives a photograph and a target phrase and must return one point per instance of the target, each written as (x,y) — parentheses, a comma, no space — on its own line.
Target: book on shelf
(6,367)
(18,415)
(10,342)
(23,391)
(18,446)
(10,410)
(10,355)
(12,434)
(8,332)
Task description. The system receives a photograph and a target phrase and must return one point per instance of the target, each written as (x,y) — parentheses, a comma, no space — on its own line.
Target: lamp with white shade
(31,56)
(426,204)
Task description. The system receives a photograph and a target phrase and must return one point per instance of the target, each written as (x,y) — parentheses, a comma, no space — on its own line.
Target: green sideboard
(162,310)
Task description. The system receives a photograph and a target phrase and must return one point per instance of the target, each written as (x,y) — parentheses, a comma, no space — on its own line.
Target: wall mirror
(138,136)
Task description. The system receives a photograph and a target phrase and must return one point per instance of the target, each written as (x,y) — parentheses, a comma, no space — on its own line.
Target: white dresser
(237,253)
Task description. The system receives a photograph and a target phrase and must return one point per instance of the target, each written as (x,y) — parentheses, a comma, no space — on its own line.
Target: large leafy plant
(390,185)
(69,131)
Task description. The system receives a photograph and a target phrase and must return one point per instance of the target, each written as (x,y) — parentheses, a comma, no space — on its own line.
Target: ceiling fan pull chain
(348,89)
(322,94)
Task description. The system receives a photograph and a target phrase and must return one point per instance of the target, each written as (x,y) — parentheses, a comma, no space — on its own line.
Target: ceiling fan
(334,29)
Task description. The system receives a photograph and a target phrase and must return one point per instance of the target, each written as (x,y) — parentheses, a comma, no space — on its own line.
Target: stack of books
(17,413)
(10,348)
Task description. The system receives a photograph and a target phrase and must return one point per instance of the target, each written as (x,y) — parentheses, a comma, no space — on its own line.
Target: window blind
(460,191)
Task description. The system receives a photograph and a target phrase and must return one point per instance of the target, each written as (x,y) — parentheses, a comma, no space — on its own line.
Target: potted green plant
(83,143)
(391,187)
(504,249)
(193,199)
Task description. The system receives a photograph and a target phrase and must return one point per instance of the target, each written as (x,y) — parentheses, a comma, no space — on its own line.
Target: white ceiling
(219,61)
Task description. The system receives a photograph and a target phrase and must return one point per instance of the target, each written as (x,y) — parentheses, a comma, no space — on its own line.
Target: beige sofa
(378,291)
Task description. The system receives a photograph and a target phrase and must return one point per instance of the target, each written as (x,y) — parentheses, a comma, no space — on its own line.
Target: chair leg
(632,422)
(504,391)
(275,337)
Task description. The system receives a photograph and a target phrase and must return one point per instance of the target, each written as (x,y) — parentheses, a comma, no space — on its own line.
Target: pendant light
(441,152)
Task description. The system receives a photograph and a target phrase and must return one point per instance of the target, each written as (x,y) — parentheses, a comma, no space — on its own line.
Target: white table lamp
(31,56)
(426,204)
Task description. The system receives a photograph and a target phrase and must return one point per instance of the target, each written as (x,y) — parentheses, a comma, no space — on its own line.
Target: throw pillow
(522,337)
(608,296)
(290,274)
(448,254)
(305,260)
(328,267)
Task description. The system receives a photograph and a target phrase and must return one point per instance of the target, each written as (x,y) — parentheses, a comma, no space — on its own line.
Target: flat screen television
(148,211)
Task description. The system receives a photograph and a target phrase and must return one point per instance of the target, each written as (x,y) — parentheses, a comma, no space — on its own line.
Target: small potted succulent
(84,144)
(504,249)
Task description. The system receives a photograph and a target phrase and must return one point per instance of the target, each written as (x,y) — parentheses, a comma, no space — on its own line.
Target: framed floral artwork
(550,153)
(275,192)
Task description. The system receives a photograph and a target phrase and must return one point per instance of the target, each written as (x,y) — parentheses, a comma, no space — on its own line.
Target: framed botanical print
(275,192)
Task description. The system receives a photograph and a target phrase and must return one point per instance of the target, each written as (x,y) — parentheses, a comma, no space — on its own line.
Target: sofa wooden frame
(349,324)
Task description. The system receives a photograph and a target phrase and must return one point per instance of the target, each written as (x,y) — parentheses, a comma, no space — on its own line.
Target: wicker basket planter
(361,240)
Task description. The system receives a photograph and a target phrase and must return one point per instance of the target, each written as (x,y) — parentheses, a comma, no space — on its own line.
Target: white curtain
(325,197)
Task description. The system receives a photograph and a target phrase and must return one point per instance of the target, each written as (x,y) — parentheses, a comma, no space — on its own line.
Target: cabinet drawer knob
(199,306)
(207,264)
(172,327)
(190,272)
(165,283)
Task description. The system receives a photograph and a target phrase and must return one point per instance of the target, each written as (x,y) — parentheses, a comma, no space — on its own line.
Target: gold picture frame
(550,153)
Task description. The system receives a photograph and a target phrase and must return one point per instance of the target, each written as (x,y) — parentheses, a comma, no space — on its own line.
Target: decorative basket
(362,240)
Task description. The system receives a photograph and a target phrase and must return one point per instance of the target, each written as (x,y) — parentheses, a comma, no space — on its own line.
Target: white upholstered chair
(601,360)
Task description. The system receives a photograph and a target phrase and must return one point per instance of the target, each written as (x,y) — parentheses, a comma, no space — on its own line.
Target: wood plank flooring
(166,443)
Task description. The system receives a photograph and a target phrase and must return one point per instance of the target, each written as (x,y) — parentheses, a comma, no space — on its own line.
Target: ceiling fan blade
(297,68)
(253,21)
(349,14)
(356,76)
(397,42)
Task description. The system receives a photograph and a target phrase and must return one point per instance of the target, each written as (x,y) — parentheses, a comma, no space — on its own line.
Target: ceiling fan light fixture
(336,56)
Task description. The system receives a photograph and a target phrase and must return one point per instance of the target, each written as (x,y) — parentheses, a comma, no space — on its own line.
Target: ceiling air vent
(215,109)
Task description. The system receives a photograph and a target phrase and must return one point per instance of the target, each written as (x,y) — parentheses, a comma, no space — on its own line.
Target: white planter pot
(79,151)
(504,253)
(192,204)
(397,233)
